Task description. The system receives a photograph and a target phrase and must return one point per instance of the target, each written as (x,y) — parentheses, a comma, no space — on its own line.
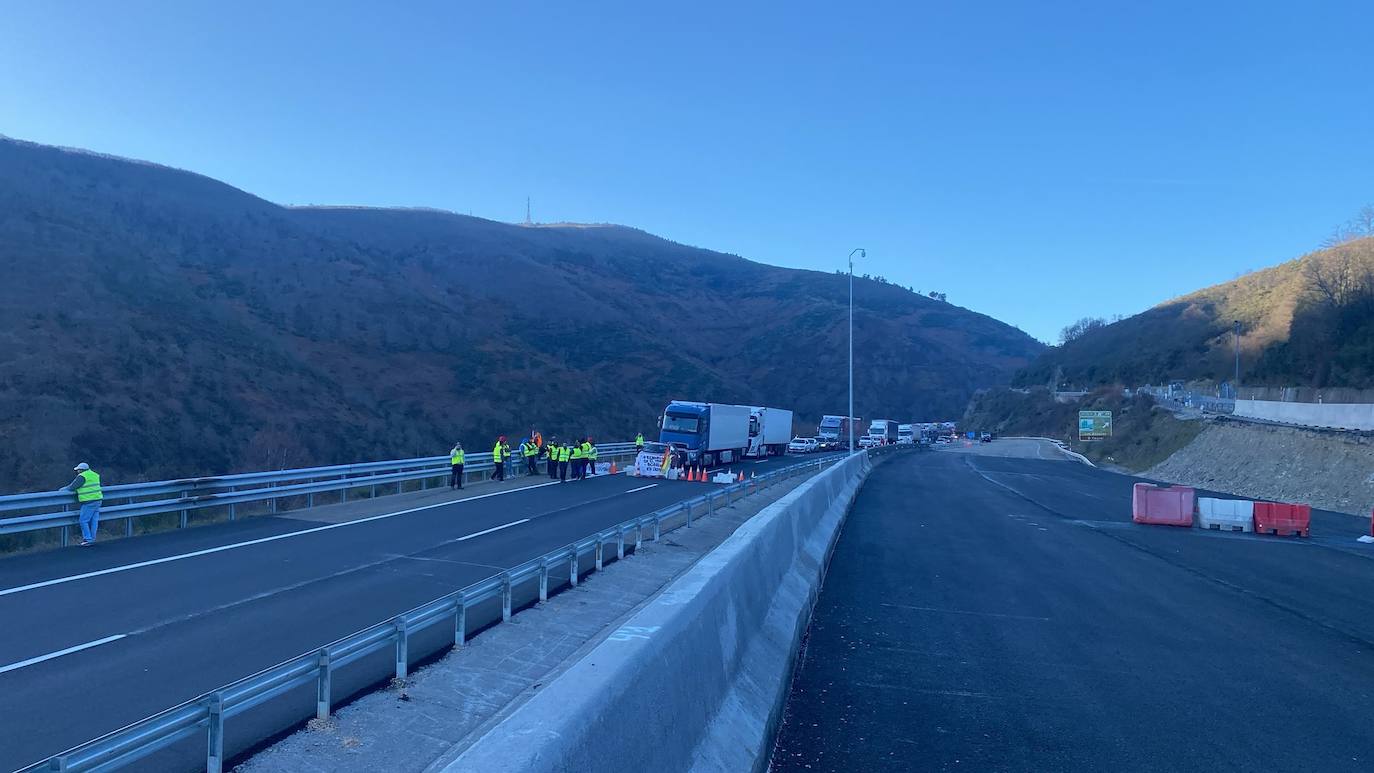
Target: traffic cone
(741,477)
(612,466)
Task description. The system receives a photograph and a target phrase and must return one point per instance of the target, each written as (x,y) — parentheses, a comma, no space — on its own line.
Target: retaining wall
(695,679)
(1338,415)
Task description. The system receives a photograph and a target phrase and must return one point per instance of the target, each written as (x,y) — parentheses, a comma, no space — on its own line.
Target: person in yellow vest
(551,451)
(589,451)
(531,453)
(455,459)
(498,459)
(86,486)
(639,442)
(564,457)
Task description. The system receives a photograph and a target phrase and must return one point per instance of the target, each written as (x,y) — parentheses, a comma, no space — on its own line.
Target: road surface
(96,638)
(987,613)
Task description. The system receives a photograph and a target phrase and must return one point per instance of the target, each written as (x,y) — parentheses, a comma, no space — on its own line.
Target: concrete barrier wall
(1338,415)
(695,679)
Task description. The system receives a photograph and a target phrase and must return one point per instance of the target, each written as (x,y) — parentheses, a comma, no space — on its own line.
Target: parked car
(987,437)
(868,441)
(944,439)
(803,445)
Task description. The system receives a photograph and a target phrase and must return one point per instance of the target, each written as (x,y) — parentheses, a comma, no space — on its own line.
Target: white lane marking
(967,612)
(494,528)
(251,542)
(60,653)
(641,488)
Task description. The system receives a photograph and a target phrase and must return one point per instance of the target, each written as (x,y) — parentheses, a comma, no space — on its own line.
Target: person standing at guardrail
(550,451)
(86,485)
(531,453)
(589,451)
(498,459)
(575,459)
(639,442)
(455,459)
(564,457)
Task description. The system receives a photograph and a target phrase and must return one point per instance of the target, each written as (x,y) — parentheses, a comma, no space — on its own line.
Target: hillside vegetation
(158,323)
(1307,322)
(1143,434)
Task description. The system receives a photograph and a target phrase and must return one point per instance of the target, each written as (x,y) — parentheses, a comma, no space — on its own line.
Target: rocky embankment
(1329,470)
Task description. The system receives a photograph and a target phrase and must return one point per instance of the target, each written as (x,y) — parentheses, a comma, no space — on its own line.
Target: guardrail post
(343,491)
(460,621)
(310,500)
(233,510)
(214,757)
(505,596)
(598,552)
(619,543)
(639,534)
(402,648)
(129,526)
(324,687)
(543,580)
(656,527)
(572,565)
(57,763)
(687,506)
(182,522)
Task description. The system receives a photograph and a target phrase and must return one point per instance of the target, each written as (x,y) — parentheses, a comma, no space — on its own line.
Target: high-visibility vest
(639,439)
(529,449)
(564,453)
(552,450)
(496,452)
(591,452)
(89,490)
(455,456)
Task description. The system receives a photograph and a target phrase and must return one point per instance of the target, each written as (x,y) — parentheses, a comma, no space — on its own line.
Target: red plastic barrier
(1282,518)
(1163,505)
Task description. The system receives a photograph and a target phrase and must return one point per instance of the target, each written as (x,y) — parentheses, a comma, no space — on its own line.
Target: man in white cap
(88,495)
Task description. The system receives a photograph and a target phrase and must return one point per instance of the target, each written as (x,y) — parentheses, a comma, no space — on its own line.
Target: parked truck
(834,431)
(906,433)
(706,433)
(770,430)
(883,430)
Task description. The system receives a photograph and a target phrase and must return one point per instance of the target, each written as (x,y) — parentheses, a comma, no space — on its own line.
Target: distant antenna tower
(527,211)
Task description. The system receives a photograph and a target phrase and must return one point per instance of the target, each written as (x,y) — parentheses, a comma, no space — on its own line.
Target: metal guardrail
(207,713)
(190,494)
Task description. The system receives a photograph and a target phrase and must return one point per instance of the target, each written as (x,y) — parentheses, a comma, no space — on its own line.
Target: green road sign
(1094,425)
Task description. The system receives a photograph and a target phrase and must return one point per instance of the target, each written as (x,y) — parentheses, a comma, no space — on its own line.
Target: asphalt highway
(96,638)
(987,613)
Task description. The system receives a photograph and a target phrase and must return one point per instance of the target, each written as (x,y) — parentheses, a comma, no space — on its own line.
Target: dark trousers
(499,472)
(553,468)
(455,479)
(562,470)
(530,464)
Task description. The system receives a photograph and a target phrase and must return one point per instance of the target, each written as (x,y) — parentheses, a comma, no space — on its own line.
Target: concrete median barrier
(697,677)
(1226,514)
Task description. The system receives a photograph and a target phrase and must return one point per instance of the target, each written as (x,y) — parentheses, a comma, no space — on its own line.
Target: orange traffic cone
(612,466)
(741,477)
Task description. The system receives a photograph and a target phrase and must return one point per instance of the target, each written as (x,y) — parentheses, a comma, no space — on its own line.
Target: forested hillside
(158,323)
(1307,322)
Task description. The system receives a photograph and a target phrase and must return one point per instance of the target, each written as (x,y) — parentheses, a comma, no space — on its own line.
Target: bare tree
(1080,328)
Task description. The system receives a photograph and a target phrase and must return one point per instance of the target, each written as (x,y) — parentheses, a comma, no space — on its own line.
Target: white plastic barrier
(1226,514)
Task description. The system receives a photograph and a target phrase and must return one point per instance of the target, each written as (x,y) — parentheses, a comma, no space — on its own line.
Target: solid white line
(60,653)
(494,528)
(641,488)
(249,543)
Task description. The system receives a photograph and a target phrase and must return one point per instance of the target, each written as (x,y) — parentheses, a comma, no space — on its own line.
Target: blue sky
(1038,162)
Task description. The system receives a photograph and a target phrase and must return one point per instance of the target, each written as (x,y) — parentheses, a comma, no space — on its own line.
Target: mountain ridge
(161,323)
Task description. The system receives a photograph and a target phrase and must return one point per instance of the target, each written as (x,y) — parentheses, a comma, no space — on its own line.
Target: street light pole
(1235,384)
(850,417)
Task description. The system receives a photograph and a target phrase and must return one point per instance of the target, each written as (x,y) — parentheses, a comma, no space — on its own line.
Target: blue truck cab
(708,433)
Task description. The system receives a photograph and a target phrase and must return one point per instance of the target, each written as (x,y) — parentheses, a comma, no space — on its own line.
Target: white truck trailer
(770,430)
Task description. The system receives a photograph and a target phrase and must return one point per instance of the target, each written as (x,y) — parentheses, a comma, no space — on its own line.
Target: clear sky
(1037,161)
